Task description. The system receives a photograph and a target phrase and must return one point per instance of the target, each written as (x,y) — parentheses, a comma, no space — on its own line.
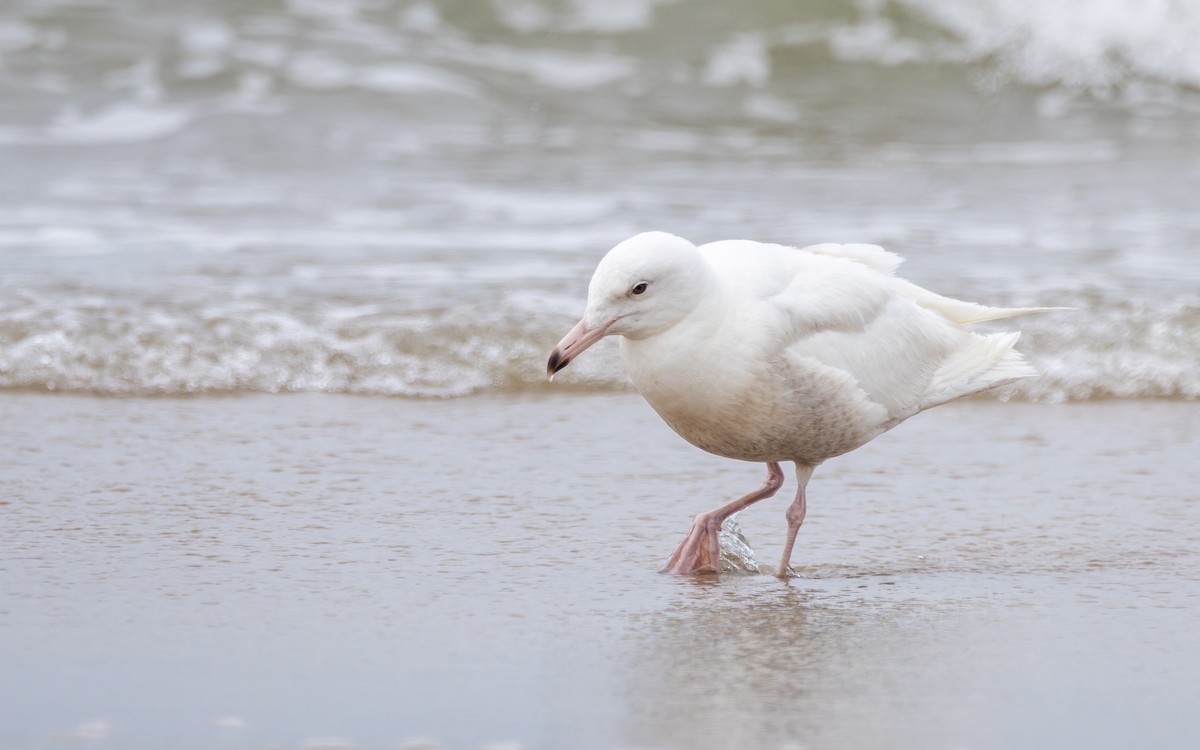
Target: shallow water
(319,570)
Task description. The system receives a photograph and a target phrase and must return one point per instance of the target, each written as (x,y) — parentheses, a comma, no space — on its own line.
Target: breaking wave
(1103,349)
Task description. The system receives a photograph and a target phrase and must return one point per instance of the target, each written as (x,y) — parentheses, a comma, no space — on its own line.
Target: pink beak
(579,338)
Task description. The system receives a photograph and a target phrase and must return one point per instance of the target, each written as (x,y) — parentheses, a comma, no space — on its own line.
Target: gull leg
(700,550)
(795,517)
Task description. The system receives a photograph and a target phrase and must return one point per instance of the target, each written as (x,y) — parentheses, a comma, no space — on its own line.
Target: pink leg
(795,517)
(700,550)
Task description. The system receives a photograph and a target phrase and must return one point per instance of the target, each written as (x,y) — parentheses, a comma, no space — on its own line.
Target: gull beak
(579,338)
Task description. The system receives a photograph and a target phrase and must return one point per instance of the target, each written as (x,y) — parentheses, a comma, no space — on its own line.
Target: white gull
(763,352)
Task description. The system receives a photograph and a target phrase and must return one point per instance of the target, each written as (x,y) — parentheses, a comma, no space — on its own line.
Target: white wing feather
(906,346)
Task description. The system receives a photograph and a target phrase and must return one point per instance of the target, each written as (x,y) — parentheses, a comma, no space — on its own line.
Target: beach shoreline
(482,570)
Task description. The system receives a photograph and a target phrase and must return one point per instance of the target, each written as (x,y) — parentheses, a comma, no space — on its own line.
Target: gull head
(642,287)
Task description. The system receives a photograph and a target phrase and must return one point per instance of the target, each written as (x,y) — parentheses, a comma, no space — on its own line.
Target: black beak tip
(557,362)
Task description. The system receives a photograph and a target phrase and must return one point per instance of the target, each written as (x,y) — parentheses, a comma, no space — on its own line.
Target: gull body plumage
(764,352)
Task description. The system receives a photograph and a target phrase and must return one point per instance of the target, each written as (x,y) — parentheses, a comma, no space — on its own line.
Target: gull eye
(639,288)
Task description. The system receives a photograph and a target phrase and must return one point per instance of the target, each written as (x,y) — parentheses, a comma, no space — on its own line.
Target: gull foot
(700,550)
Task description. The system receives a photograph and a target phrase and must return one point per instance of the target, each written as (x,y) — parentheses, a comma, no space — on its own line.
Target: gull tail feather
(987,361)
(962,312)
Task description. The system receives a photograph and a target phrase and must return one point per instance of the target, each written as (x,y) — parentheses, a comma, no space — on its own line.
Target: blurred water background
(407,198)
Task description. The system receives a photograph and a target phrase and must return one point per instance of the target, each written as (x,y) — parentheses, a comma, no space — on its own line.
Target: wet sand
(331,571)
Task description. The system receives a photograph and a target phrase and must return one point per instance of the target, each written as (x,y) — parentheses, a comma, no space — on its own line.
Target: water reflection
(768,664)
